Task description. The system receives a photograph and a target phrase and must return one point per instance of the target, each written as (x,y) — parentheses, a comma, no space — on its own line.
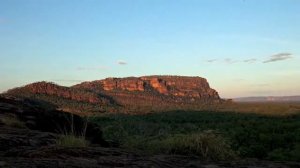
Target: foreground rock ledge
(24,148)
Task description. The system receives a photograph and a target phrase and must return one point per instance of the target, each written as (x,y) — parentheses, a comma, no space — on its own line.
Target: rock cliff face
(155,92)
(176,86)
(120,94)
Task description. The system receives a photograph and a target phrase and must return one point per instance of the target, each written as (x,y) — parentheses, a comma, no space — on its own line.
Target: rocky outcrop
(131,84)
(143,94)
(158,93)
(195,87)
(178,86)
(99,157)
(51,89)
(73,100)
(37,116)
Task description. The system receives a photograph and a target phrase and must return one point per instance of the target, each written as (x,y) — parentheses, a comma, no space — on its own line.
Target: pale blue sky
(229,42)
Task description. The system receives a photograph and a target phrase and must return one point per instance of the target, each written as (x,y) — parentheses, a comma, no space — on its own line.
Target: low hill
(268,99)
(65,98)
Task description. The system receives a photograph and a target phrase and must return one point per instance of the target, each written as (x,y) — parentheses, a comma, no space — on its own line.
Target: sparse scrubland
(207,134)
(261,108)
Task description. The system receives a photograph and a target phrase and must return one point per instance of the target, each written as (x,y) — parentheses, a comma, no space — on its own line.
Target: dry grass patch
(12,121)
(71,141)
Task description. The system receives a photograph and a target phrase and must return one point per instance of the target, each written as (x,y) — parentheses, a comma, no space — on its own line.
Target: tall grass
(12,121)
(70,141)
(70,137)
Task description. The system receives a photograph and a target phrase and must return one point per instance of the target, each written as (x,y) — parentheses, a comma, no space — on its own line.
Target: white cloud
(250,61)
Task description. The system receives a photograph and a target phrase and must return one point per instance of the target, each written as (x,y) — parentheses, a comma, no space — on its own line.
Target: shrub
(295,154)
(70,141)
(115,133)
(285,154)
(12,121)
(206,145)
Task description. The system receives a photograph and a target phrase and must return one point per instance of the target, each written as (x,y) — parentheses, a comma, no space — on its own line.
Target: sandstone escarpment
(155,92)
(142,94)
(177,86)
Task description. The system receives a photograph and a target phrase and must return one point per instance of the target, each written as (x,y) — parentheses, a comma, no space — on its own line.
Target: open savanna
(268,131)
(262,108)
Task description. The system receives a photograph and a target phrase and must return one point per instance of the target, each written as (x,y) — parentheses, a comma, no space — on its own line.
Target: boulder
(37,116)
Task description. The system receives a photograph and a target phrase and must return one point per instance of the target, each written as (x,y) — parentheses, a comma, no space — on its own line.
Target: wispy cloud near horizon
(121,62)
(230,61)
(279,57)
(250,61)
(211,60)
(273,58)
(226,61)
